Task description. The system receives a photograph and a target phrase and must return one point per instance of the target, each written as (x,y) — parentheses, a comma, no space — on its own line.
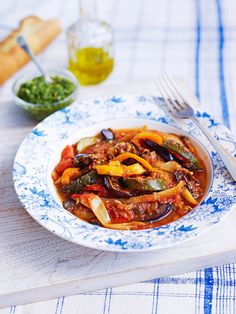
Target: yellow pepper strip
(188,196)
(114,163)
(116,171)
(121,170)
(69,174)
(134,169)
(154,137)
(133,225)
(142,161)
(128,170)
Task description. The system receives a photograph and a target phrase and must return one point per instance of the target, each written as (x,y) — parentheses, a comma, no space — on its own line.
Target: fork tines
(170,92)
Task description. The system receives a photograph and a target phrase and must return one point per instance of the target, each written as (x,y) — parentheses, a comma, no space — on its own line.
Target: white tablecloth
(190,38)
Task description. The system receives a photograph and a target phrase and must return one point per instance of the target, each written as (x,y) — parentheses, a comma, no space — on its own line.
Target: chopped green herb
(38,91)
(45,98)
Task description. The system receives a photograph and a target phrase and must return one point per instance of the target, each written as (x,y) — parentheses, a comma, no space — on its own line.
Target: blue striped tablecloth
(195,39)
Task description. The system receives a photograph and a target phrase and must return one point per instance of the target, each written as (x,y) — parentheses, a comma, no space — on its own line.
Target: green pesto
(38,91)
(46,98)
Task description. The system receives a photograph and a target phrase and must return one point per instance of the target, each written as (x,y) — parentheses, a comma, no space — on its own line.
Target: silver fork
(181,109)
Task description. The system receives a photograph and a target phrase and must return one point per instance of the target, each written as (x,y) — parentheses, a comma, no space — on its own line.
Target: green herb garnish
(45,98)
(38,91)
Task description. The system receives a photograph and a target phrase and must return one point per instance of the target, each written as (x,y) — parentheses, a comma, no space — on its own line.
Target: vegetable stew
(130,179)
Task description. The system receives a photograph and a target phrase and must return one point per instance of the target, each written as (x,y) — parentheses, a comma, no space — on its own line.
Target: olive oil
(91,65)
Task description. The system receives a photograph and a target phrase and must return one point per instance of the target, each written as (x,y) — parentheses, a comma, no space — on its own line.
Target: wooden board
(36,265)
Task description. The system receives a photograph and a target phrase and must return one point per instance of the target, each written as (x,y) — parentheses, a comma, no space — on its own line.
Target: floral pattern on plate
(31,162)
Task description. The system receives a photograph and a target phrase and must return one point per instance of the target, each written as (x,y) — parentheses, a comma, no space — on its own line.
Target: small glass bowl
(39,111)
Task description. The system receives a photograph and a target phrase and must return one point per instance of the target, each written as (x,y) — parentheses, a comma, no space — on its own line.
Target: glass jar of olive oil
(90,46)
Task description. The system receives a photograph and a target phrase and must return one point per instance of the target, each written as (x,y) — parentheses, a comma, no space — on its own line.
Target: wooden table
(36,265)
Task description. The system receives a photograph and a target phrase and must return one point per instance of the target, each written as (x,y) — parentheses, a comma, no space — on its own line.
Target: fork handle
(226,157)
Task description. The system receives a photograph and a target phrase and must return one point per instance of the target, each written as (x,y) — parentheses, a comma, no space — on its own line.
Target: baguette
(38,34)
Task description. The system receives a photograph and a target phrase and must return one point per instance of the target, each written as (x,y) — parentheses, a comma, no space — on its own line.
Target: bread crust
(38,33)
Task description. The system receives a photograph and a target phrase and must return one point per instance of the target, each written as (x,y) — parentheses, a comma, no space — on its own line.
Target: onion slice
(96,204)
(188,196)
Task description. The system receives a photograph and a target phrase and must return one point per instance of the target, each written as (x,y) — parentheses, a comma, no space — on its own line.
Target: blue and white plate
(40,151)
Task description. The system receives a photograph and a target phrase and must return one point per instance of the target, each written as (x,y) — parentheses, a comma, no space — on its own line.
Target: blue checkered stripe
(192,38)
(212,290)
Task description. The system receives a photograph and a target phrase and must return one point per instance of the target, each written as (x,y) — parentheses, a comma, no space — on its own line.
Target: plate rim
(116,249)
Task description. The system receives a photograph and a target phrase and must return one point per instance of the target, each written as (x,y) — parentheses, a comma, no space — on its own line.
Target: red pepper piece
(63,165)
(68,152)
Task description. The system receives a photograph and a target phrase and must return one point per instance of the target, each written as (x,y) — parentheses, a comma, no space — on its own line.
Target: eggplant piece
(141,184)
(113,187)
(107,134)
(159,213)
(183,154)
(165,153)
(83,212)
(69,205)
(167,208)
(160,150)
(192,183)
(77,185)
(82,160)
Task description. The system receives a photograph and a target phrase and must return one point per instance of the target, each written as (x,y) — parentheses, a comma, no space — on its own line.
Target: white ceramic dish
(40,152)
